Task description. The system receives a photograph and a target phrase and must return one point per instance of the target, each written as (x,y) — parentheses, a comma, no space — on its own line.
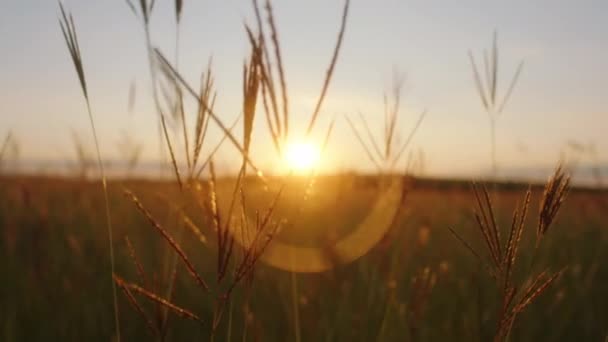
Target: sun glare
(302,156)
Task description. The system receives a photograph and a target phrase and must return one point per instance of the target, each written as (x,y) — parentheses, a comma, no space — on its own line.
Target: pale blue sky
(562,93)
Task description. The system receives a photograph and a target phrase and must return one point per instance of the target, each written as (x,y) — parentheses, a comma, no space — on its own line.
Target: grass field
(281,252)
(418,283)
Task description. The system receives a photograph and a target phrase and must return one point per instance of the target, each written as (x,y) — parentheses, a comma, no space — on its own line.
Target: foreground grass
(417,284)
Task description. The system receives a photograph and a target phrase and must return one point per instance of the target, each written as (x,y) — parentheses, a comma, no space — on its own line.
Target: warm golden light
(302,156)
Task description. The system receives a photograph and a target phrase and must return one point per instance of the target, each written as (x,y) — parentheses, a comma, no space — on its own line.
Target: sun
(302,156)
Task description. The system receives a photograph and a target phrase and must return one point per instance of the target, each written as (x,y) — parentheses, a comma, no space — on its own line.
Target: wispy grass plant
(487,85)
(66,22)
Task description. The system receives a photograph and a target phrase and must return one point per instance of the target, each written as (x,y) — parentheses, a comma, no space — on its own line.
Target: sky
(561,94)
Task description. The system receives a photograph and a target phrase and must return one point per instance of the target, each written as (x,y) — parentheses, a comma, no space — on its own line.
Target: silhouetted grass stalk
(385,157)
(68,29)
(487,88)
(501,261)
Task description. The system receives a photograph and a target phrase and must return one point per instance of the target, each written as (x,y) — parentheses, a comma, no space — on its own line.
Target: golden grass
(151,296)
(163,232)
(502,258)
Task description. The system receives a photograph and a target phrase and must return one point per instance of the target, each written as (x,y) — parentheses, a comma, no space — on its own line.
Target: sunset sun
(302,156)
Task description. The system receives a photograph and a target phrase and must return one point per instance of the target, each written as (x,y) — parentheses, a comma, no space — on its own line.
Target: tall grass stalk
(68,29)
(384,156)
(514,297)
(179,103)
(145,11)
(277,107)
(256,76)
(487,88)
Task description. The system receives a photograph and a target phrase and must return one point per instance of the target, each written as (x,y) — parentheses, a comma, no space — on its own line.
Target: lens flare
(363,238)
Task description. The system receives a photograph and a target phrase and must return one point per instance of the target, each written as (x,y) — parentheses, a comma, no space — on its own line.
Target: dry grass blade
(140,269)
(264,228)
(485,231)
(155,298)
(505,261)
(216,218)
(274,133)
(169,239)
(385,157)
(494,227)
(202,119)
(370,135)
(554,196)
(131,7)
(226,239)
(517,227)
(182,117)
(172,154)
(368,152)
(520,66)
(508,261)
(490,270)
(180,211)
(277,53)
(465,244)
(194,229)
(136,306)
(151,6)
(488,86)
(488,225)
(392,114)
(485,226)
(71,39)
(330,70)
(251,83)
(69,34)
(537,287)
(217,222)
(407,141)
(245,236)
(487,89)
(215,149)
(269,96)
(486,66)
(509,296)
(179,5)
(257,250)
(273,116)
(494,79)
(173,74)
(478,83)
(145,9)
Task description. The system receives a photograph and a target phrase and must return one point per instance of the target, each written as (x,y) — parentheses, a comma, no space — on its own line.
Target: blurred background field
(417,284)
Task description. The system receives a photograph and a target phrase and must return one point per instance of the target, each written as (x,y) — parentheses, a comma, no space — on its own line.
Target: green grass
(53,252)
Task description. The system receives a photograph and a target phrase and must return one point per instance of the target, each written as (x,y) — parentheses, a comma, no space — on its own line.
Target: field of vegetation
(418,283)
(299,256)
